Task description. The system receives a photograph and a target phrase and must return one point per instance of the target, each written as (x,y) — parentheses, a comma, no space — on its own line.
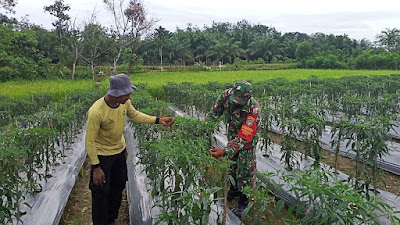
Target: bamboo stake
(253,186)
(374,165)
(225,197)
(358,161)
(305,141)
(337,150)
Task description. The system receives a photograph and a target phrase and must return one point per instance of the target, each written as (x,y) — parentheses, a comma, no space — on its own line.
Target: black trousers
(106,200)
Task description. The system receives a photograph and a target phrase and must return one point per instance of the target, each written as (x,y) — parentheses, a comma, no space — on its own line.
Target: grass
(159,78)
(155,80)
(58,88)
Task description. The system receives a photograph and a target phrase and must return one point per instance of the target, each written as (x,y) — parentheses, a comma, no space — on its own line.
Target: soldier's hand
(216,152)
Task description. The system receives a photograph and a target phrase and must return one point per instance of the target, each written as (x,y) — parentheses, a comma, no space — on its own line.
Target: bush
(59,71)
(138,66)
(377,61)
(123,68)
(260,61)
(83,72)
(7,74)
(238,63)
(325,62)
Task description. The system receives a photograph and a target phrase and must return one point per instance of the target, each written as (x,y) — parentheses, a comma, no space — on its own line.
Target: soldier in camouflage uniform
(242,113)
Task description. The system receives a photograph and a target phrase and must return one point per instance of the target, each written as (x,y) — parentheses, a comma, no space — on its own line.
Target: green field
(59,88)
(157,79)
(160,78)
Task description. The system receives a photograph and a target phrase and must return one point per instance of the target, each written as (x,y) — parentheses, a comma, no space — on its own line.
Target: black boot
(243,202)
(232,193)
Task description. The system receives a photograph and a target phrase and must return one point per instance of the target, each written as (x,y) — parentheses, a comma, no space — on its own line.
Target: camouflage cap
(241,92)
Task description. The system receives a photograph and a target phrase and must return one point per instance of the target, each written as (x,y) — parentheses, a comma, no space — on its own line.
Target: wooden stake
(337,150)
(225,197)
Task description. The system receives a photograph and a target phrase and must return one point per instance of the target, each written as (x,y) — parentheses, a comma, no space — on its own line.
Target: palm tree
(160,37)
(245,38)
(290,50)
(225,50)
(266,48)
(176,49)
(389,39)
(203,42)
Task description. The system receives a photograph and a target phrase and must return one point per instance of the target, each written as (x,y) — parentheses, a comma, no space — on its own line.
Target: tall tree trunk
(131,61)
(160,52)
(115,61)
(74,64)
(133,57)
(92,69)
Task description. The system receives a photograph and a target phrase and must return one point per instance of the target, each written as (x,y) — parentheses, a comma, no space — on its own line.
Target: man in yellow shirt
(105,145)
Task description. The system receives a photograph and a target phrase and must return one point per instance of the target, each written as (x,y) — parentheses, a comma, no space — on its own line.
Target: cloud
(357,25)
(359,19)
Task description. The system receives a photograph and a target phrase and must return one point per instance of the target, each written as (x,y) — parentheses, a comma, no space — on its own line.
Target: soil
(79,207)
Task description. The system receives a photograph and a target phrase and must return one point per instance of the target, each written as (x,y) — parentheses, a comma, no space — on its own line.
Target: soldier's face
(240,104)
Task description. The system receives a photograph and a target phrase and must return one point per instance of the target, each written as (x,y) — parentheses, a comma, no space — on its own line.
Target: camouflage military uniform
(241,151)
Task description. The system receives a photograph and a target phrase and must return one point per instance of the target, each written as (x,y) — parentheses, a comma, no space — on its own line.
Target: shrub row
(30,146)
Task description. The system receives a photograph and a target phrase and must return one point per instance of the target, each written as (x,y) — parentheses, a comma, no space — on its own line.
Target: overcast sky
(357,18)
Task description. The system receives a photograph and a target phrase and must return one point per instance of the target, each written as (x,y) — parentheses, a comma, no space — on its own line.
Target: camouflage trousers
(243,168)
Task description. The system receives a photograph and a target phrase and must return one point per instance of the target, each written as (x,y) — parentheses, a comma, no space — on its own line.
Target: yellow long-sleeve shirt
(105,126)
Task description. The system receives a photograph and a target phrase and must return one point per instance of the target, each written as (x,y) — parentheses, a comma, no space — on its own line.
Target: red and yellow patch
(248,128)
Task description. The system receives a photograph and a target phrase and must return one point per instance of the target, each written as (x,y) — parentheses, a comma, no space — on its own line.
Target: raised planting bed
(274,164)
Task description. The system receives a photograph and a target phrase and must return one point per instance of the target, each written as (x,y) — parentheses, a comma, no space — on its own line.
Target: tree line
(29,51)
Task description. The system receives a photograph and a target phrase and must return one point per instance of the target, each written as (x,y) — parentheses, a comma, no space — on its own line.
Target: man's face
(239,98)
(123,98)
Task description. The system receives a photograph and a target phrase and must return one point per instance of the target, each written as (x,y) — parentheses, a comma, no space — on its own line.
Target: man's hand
(166,121)
(98,177)
(216,152)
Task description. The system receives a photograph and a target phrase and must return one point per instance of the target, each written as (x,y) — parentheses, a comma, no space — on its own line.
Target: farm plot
(36,132)
(38,169)
(158,79)
(186,184)
(370,136)
(179,170)
(144,210)
(291,184)
(176,167)
(299,109)
(290,189)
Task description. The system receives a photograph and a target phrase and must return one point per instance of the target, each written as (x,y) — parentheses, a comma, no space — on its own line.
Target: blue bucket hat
(120,85)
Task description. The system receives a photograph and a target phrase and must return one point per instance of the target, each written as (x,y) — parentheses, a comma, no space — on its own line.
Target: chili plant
(12,184)
(289,143)
(311,127)
(261,200)
(324,199)
(35,140)
(268,117)
(179,167)
(28,145)
(337,137)
(369,141)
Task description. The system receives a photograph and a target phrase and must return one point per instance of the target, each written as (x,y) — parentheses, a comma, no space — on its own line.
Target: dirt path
(78,210)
